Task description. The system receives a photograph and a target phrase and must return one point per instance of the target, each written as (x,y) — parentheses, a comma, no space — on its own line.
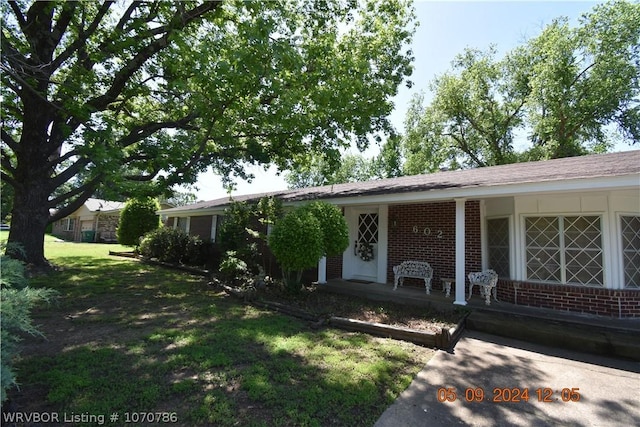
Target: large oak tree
(139,96)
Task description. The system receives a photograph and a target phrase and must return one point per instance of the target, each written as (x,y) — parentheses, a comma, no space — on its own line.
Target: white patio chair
(488,281)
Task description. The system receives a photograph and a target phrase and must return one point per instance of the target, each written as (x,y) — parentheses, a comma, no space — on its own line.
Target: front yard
(126,337)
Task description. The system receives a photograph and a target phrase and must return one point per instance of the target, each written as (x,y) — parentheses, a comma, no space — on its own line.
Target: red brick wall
(334,267)
(578,299)
(408,241)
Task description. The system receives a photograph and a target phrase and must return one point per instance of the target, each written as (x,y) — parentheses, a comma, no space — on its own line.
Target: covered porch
(583,332)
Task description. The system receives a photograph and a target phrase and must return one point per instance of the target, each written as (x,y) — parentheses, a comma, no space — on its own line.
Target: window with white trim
(565,249)
(68,224)
(498,245)
(214,228)
(630,237)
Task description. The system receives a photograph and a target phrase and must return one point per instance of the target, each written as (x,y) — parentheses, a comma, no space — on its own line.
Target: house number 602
(427,232)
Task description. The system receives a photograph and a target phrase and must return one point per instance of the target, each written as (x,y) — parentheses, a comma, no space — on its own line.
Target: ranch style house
(561,234)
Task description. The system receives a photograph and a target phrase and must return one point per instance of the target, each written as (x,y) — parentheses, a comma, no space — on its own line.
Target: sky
(445,29)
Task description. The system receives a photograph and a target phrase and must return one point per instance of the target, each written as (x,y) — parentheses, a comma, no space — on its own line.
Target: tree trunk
(29,221)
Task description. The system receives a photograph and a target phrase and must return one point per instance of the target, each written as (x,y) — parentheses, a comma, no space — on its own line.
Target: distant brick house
(96,221)
(562,234)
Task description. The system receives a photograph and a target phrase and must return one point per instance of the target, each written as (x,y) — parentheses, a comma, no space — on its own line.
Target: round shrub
(333,226)
(297,243)
(166,245)
(137,218)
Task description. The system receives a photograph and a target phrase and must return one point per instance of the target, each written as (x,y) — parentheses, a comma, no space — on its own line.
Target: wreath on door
(365,251)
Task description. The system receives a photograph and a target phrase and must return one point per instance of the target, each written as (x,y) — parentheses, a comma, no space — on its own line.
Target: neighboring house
(95,221)
(562,234)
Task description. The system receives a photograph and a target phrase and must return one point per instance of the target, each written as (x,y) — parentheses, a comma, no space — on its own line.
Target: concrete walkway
(609,389)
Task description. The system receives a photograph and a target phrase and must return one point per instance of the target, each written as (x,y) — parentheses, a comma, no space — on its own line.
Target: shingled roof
(482,179)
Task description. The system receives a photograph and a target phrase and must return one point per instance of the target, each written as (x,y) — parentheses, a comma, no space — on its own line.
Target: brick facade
(427,232)
(573,298)
(334,267)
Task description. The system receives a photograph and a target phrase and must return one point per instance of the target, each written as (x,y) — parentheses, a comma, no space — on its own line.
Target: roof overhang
(620,182)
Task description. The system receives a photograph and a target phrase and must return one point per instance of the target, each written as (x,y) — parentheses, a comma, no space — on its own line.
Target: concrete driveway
(564,388)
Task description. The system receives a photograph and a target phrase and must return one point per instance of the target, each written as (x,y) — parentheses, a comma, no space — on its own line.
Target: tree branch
(124,74)
(75,204)
(143,131)
(68,173)
(6,163)
(8,139)
(462,143)
(64,19)
(91,185)
(8,179)
(18,14)
(58,160)
(82,37)
(127,14)
(143,178)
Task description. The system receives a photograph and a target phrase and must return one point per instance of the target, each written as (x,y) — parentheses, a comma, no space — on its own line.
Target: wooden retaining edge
(123,254)
(387,331)
(456,333)
(444,340)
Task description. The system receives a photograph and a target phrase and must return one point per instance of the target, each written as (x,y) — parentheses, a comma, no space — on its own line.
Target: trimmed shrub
(174,246)
(332,225)
(137,218)
(165,244)
(297,242)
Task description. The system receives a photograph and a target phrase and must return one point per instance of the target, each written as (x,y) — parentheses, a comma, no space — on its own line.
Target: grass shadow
(127,336)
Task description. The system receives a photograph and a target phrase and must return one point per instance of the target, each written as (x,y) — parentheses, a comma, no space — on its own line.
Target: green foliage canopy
(567,88)
(137,218)
(144,95)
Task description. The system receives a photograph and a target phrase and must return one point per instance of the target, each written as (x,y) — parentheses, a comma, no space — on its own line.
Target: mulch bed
(323,304)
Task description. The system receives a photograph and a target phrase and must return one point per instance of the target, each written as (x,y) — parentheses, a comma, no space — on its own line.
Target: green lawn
(129,337)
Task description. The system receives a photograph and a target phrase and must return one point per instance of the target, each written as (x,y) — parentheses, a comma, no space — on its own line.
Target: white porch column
(460,252)
(322,271)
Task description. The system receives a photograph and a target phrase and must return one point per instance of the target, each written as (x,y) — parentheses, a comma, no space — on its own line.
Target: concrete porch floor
(574,331)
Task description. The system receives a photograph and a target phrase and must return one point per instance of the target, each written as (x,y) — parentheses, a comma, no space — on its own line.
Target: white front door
(360,261)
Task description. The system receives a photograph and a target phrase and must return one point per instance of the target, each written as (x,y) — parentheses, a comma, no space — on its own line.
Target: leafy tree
(6,200)
(566,86)
(390,160)
(139,97)
(583,79)
(233,230)
(181,198)
(238,235)
(471,119)
(318,171)
(137,218)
